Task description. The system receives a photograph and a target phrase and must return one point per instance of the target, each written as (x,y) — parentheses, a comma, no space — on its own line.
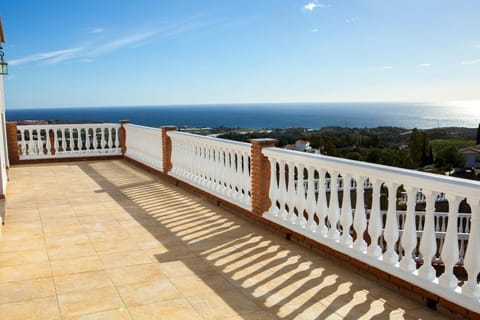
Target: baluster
(409,236)
(300,196)
(291,192)
(39,142)
(346,212)
(375,223)
(104,138)
(311,199)
(71,144)
(283,191)
(471,263)
(23,147)
(246,176)
(48,145)
(29,145)
(273,192)
(428,244)
(360,218)
(333,208)
(55,141)
(322,208)
(110,140)
(450,246)
(391,227)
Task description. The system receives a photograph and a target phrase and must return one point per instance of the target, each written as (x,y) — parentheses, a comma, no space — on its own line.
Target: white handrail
(217,166)
(67,140)
(144,144)
(396,238)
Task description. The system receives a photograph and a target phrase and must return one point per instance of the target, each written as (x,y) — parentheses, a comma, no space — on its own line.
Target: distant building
(472,156)
(302,145)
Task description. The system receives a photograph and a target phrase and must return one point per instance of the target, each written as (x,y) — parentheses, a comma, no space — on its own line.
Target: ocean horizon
(269,115)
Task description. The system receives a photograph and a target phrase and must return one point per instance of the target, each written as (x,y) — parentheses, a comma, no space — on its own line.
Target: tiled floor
(106,240)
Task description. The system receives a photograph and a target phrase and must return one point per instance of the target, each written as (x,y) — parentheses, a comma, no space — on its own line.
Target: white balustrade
(217,166)
(69,140)
(396,240)
(144,144)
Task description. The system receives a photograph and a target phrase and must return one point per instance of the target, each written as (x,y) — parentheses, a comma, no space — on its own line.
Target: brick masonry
(12,142)
(260,175)
(167,148)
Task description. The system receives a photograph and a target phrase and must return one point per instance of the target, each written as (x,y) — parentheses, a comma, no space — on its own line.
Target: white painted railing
(66,141)
(395,239)
(217,166)
(144,144)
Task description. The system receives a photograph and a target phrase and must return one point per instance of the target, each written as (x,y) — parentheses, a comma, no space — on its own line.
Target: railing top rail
(130,125)
(244,146)
(427,181)
(73,126)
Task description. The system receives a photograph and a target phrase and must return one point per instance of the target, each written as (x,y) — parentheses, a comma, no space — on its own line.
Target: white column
(409,236)
(333,209)
(346,212)
(375,224)
(471,262)
(450,246)
(428,243)
(391,226)
(360,219)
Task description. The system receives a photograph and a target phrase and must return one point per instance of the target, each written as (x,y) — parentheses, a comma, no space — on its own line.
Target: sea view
(307,115)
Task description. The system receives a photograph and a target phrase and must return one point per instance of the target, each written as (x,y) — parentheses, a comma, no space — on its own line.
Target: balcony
(108,239)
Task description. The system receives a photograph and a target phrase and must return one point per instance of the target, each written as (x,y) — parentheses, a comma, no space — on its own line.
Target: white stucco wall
(3,142)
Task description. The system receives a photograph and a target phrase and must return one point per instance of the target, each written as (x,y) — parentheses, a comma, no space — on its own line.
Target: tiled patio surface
(106,240)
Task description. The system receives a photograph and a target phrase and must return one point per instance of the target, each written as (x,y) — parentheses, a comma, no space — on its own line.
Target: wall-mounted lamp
(3,63)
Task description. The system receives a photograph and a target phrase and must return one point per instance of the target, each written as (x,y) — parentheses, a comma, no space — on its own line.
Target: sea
(271,115)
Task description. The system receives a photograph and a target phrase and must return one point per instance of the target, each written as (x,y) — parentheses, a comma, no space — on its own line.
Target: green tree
(449,158)
(419,147)
(478,134)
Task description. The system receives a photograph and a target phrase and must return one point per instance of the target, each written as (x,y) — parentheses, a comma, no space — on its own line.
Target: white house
(472,156)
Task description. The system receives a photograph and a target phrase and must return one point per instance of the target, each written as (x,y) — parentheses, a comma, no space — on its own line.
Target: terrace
(159,223)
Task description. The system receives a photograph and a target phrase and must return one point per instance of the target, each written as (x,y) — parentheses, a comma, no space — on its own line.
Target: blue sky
(148,52)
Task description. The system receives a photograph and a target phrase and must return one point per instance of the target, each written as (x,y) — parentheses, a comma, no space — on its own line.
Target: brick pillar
(167,148)
(12,142)
(51,136)
(260,175)
(123,136)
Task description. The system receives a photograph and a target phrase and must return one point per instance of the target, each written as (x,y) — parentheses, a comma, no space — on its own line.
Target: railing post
(123,136)
(12,142)
(260,175)
(167,148)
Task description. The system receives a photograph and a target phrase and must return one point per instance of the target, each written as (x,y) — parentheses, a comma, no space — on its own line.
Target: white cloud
(476,61)
(96,30)
(121,42)
(387,67)
(313,5)
(425,65)
(50,57)
(352,19)
(315,30)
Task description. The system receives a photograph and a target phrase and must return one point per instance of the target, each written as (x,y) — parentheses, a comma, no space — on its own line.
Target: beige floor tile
(25,272)
(35,309)
(116,314)
(168,310)
(86,302)
(201,285)
(134,274)
(20,245)
(185,267)
(23,257)
(112,246)
(75,265)
(223,305)
(26,290)
(123,259)
(84,281)
(152,291)
(70,251)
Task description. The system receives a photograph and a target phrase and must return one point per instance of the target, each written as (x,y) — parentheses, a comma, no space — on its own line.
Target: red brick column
(123,136)
(51,136)
(260,175)
(167,148)
(12,142)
